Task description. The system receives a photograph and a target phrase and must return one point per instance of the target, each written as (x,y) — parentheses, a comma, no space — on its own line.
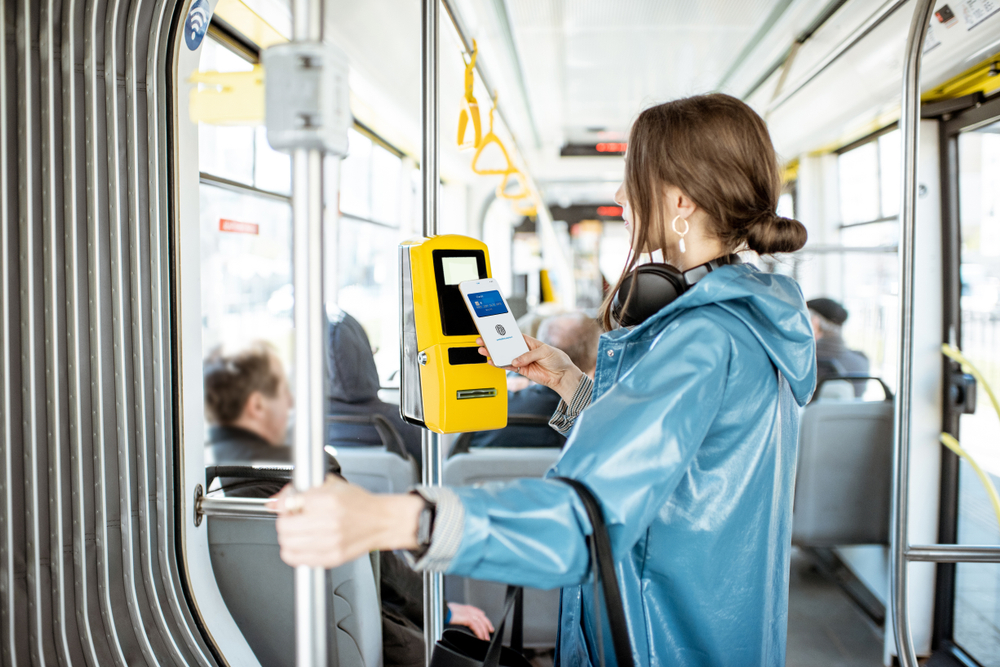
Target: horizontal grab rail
(953,553)
(234,508)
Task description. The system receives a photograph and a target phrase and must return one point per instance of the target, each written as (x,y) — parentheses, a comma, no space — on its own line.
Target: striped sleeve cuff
(449,526)
(565,415)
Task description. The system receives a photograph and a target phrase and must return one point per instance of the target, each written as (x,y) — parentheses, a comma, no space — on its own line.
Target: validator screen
(487,303)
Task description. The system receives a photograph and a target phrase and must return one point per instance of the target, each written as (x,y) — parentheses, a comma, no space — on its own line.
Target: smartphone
(494,320)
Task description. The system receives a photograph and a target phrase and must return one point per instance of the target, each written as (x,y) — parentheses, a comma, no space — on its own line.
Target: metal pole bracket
(306,97)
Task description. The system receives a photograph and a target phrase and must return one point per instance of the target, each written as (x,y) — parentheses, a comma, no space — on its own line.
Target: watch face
(424,526)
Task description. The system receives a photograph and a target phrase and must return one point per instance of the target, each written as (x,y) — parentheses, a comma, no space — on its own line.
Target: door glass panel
(977,594)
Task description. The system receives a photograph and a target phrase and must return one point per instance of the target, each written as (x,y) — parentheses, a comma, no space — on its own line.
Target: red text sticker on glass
(238,227)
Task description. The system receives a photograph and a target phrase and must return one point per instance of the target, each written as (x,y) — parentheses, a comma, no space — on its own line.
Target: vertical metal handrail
(909,123)
(307,216)
(433,462)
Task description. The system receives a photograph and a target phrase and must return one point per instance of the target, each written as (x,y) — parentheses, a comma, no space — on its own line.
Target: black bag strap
(604,568)
(493,654)
(517,631)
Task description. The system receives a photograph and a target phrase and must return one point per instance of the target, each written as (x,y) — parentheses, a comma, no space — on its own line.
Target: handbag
(460,649)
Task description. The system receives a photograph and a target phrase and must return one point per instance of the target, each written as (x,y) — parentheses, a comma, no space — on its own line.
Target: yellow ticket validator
(446,385)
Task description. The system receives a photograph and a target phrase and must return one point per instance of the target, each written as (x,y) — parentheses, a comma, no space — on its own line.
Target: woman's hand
(545,365)
(471,617)
(335,523)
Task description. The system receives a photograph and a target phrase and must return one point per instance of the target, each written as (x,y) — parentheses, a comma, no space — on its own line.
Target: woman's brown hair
(716,150)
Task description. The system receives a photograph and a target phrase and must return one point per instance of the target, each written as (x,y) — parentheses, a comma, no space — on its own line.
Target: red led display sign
(601,149)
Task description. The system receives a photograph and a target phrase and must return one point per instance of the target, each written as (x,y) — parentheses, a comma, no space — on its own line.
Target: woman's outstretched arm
(631,448)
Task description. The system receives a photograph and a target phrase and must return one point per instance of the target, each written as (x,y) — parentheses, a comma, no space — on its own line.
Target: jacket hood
(770,305)
(350,365)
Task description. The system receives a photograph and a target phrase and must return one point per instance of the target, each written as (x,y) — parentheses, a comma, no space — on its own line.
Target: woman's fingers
(533,355)
(315,526)
(277,501)
(330,525)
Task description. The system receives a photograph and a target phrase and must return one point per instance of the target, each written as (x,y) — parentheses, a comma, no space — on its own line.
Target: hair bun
(769,233)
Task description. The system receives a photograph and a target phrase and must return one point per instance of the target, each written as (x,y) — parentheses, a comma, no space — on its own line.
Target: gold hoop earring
(687,228)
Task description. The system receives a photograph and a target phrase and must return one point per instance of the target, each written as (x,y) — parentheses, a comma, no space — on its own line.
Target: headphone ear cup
(655,286)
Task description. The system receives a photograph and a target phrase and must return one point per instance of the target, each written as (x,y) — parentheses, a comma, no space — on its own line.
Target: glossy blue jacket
(690,447)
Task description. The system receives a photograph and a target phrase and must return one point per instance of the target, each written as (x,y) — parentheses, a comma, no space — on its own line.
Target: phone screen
(487,303)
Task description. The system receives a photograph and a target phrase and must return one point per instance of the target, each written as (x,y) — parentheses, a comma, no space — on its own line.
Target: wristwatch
(425,524)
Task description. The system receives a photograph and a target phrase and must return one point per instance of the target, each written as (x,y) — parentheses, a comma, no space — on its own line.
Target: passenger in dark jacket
(248,400)
(833,358)
(353,384)
(577,335)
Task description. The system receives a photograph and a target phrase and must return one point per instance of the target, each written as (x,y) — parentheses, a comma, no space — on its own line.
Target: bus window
(377,197)
(869,178)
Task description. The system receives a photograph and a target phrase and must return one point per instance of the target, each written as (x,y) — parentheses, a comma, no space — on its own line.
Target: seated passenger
(576,334)
(352,383)
(248,400)
(833,358)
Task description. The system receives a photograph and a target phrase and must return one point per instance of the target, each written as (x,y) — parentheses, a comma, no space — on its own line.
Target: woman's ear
(679,203)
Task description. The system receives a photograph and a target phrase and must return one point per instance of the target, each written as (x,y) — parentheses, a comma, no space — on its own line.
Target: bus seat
(259,590)
(844,476)
(836,390)
(488,464)
(385,469)
(376,469)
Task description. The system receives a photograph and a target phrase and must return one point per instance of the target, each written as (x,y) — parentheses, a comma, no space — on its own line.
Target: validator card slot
(463,394)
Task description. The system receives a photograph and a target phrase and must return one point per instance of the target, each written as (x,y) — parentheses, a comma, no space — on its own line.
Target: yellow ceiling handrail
(470,107)
(491,138)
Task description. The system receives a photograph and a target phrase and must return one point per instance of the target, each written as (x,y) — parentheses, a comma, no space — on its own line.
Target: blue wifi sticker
(196,24)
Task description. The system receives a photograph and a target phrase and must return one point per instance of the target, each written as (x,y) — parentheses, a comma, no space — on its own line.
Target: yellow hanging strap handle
(949,441)
(491,138)
(525,207)
(470,107)
(520,190)
(952,443)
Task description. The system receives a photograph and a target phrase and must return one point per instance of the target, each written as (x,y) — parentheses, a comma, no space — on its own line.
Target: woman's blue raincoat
(689,445)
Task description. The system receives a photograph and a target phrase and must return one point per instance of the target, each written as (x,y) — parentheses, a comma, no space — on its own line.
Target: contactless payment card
(494,320)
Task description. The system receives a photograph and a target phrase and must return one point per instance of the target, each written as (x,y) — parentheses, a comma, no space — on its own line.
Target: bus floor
(826,628)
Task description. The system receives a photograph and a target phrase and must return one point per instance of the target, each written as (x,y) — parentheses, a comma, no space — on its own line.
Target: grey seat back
(259,588)
(541,608)
(844,476)
(376,469)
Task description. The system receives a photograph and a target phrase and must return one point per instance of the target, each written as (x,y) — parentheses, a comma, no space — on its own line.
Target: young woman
(687,434)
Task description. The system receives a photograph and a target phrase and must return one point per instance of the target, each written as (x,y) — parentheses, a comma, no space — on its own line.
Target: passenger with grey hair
(833,358)
(574,333)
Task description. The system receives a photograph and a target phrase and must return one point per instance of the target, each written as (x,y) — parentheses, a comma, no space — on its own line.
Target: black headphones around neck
(657,285)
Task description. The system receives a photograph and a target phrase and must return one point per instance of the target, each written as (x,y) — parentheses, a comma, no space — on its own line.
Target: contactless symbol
(501,330)
(196,24)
